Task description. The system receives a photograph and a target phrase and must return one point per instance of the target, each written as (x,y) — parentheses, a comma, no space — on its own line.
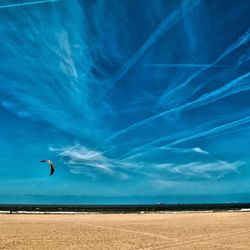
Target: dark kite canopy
(52,168)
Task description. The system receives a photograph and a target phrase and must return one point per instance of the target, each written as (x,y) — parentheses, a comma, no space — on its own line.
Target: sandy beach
(227,230)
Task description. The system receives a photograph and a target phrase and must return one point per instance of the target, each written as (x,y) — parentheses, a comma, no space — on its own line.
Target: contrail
(238,85)
(27,3)
(242,40)
(211,131)
(165,25)
(182,65)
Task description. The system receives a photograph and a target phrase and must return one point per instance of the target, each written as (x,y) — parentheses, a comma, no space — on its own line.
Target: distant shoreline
(105,209)
(124,212)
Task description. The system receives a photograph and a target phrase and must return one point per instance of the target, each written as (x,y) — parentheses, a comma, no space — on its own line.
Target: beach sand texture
(227,230)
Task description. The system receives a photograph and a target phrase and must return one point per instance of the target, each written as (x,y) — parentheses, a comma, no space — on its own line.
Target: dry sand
(126,231)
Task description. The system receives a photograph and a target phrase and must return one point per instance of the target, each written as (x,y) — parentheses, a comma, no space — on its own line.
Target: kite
(52,168)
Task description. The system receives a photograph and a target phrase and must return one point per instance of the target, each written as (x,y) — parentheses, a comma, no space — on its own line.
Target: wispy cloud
(182,65)
(79,158)
(82,160)
(217,130)
(186,150)
(199,150)
(56,87)
(16,110)
(164,26)
(206,170)
(27,3)
(237,85)
(212,131)
(139,152)
(245,38)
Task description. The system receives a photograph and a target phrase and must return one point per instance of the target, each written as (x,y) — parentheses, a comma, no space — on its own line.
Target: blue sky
(133,101)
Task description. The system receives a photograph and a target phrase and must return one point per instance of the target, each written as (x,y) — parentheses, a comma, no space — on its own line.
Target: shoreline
(125,212)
